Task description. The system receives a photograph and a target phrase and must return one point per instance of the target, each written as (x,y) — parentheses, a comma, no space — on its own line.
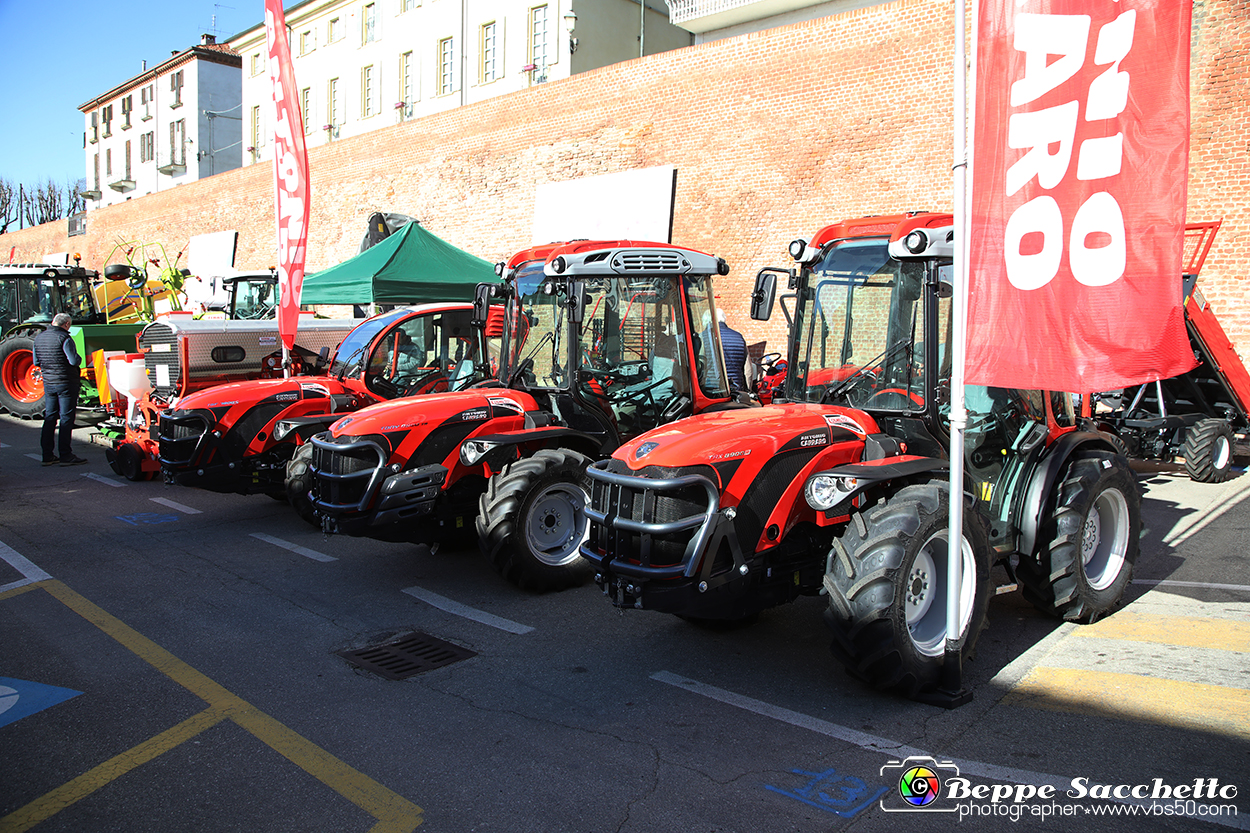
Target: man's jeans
(58,404)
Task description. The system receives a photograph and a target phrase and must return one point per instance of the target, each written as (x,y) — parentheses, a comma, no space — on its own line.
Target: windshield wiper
(884,356)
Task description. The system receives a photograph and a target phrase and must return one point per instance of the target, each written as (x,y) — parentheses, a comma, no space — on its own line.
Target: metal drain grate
(412,654)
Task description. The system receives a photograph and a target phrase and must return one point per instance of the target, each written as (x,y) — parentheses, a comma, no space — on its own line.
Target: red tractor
(840,487)
(247,436)
(602,341)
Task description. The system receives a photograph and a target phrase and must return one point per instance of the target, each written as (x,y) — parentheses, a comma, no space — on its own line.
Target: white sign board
(210,257)
(631,205)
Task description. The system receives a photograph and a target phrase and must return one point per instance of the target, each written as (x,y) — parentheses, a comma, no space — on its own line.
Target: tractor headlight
(282,430)
(916,241)
(472,451)
(796,248)
(824,491)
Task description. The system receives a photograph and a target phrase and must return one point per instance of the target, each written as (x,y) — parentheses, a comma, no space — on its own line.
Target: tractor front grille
(346,472)
(179,437)
(162,359)
(650,261)
(644,518)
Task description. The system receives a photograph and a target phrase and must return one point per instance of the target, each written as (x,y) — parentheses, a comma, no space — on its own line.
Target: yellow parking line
(394,813)
(1134,697)
(17,591)
(51,803)
(1190,631)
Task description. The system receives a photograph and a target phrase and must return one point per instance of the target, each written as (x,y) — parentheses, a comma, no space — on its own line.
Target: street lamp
(570,21)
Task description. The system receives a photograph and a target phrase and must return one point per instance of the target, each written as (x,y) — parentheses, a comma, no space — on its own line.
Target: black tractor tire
(299,484)
(129,463)
(1208,451)
(1089,541)
(887,589)
(530,523)
(17,355)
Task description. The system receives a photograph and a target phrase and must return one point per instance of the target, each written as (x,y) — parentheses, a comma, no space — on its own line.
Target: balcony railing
(706,15)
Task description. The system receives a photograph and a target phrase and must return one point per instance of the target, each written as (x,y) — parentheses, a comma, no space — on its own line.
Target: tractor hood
(260,390)
(474,405)
(714,438)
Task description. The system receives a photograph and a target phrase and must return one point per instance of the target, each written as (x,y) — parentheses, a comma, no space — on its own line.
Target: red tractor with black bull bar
(249,436)
(840,486)
(602,341)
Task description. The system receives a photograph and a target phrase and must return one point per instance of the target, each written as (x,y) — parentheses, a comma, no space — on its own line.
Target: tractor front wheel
(887,589)
(1091,540)
(21,383)
(1208,451)
(530,524)
(299,483)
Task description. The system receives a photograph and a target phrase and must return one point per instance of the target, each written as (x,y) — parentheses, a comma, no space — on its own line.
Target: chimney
(208,40)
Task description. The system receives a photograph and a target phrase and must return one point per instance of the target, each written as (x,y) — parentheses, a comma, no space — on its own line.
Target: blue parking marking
(843,795)
(22,698)
(140,518)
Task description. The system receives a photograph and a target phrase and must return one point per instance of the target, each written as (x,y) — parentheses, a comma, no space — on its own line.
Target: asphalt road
(169,661)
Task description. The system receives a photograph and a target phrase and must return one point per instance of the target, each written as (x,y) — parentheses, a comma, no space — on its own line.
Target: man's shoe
(72,460)
(52,461)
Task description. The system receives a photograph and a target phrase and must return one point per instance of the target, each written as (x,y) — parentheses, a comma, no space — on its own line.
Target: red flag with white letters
(290,172)
(1078,185)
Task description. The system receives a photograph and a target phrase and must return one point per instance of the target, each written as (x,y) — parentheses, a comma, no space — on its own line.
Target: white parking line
(447,605)
(38,458)
(295,548)
(30,573)
(99,478)
(1243,588)
(186,510)
(899,751)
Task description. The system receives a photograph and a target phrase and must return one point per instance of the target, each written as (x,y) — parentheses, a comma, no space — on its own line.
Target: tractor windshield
(534,336)
(860,330)
(350,354)
(254,300)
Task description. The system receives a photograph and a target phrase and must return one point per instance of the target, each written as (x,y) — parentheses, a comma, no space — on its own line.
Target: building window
(108,162)
(94,134)
(489,49)
(446,66)
(127,106)
(336,112)
(307,43)
(366,93)
(258,131)
(147,96)
(128,176)
(369,23)
(178,142)
(305,108)
(336,29)
(258,63)
(95,172)
(405,78)
(538,39)
(407,5)
(106,116)
(147,147)
(175,87)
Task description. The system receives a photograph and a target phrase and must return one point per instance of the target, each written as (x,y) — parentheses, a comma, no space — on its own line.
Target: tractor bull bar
(374,473)
(616,484)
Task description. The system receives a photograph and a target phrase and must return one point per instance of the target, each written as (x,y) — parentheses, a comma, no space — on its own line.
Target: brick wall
(774,135)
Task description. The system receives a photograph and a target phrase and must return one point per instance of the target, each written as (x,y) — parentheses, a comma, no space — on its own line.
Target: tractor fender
(496,450)
(1037,496)
(871,473)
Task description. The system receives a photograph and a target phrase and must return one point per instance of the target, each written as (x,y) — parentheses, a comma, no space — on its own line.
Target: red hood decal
(478,404)
(722,436)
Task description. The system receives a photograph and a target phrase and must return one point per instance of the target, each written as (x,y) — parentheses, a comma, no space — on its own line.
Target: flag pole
(951,692)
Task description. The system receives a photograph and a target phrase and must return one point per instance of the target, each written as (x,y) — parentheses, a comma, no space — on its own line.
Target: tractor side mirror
(765,294)
(481,303)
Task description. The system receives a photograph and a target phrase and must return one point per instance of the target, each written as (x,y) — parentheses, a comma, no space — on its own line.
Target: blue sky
(58,54)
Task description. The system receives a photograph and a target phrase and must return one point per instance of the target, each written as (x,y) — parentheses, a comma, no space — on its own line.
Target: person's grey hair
(62,320)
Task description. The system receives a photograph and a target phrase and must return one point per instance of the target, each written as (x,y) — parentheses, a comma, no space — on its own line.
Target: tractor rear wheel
(887,589)
(530,524)
(1208,451)
(130,463)
(1091,541)
(299,483)
(21,383)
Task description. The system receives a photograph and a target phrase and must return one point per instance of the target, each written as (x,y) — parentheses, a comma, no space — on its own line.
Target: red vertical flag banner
(290,173)
(1079,177)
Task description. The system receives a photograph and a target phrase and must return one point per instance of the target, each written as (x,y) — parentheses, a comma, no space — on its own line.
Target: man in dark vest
(57,357)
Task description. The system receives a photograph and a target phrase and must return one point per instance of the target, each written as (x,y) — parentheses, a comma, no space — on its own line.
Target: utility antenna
(213,30)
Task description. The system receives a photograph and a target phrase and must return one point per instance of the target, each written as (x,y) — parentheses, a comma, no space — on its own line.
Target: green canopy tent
(411,266)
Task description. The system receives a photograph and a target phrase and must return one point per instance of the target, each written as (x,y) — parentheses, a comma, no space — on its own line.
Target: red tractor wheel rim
(22,380)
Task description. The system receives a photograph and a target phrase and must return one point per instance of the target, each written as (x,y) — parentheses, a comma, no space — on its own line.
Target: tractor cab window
(428,352)
(709,367)
(352,351)
(632,347)
(37,299)
(535,341)
(860,327)
(255,300)
(78,299)
(8,305)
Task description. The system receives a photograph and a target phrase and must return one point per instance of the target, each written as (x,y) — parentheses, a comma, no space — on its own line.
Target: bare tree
(74,202)
(9,210)
(44,203)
